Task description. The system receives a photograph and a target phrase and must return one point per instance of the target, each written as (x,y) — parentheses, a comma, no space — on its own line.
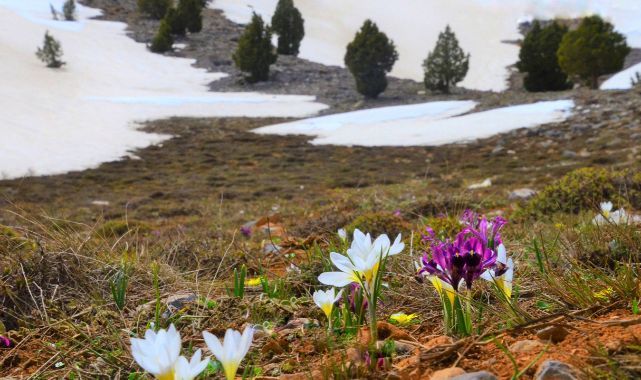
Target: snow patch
(58,120)
(622,80)
(431,124)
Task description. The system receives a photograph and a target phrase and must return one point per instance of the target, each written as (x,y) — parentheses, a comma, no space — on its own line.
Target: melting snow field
(622,80)
(55,121)
(431,124)
(480,25)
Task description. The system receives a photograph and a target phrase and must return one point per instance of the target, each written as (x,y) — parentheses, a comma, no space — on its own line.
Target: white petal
(502,254)
(214,345)
(397,247)
(341,262)
(487,276)
(338,296)
(338,279)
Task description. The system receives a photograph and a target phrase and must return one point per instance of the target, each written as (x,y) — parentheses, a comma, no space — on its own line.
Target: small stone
(568,154)
(523,346)
(555,370)
(447,373)
(614,142)
(480,375)
(100,203)
(521,194)
(497,149)
(481,185)
(546,144)
(554,334)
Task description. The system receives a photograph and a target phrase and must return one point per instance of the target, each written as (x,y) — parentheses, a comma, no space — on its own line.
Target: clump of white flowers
(158,353)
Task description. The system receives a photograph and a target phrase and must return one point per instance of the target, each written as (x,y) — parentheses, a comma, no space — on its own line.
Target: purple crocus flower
(5,342)
(488,231)
(380,362)
(246,231)
(465,258)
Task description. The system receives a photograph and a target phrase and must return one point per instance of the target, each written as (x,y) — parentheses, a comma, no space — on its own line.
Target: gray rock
(555,370)
(553,133)
(580,128)
(568,154)
(521,194)
(480,375)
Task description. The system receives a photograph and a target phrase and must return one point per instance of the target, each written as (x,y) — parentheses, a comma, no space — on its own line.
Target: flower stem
(373,328)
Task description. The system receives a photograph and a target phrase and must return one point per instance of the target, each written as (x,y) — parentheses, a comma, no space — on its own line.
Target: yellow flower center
(327,309)
(166,376)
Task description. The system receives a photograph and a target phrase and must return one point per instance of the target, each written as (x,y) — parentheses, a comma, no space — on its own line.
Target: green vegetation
(369,57)
(156,9)
(191,13)
(51,52)
(176,22)
(593,50)
(289,25)
(163,41)
(447,64)
(584,189)
(69,10)
(378,223)
(538,58)
(255,52)
(118,228)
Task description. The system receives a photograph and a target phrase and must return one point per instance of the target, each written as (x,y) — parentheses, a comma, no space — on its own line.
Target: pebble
(523,346)
(447,373)
(555,370)
(521,194)
(480,375)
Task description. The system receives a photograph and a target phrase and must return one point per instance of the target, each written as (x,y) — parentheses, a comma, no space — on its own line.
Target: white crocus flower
(607,216)
(363,246)
(342,234)
(504,281)
(232,350)
(189,370)
(362,261)
(326,300)
(158,352)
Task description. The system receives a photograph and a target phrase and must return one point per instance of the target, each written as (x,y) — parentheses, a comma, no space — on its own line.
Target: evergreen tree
(163,40)
(176,22)
(154,8)
(69,10)
(369,57)
(289,25)
(51,52)
(538,58)
(255,52)
(447,64)
(191,13)
(592,50)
